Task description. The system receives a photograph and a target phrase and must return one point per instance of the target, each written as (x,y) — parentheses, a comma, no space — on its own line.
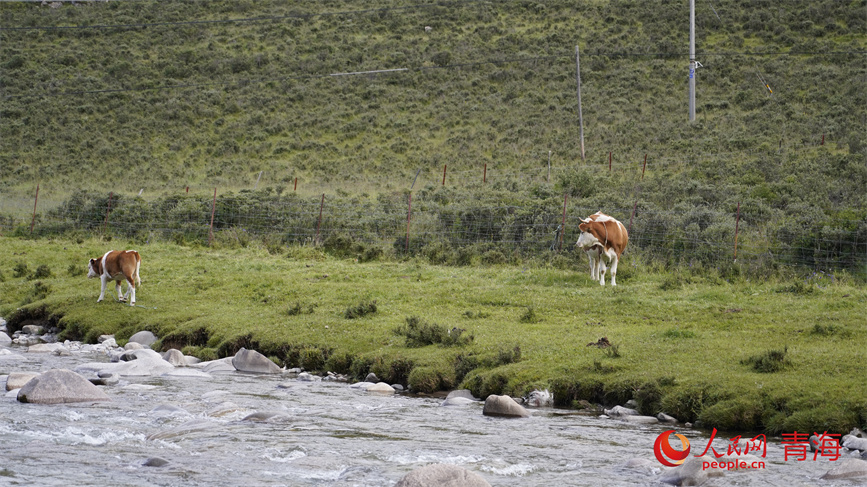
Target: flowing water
(326,433)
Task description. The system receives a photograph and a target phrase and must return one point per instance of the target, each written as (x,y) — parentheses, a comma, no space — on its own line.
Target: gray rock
(854,443)
(620,411)
(33,329)
(189,360)
(222,365)
(58,386)
(5,341)
(133,346)
(380,388)
(459,397)
(458,401)
(664,418)
(503,406)
(308,377)
(46,348)
(631,418)
(465,393)
(175,357)
(104,338)
(144,338)
(690,472)
(2,324)
(363,385)
(16,380)
(397,387)
(105,379)
(442,475)
(187,372)
(849,468)
(254,362)
(155,462)
(371,377)
(144,362)
(9,355)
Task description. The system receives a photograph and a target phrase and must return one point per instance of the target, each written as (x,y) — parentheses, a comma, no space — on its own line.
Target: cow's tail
(137,267)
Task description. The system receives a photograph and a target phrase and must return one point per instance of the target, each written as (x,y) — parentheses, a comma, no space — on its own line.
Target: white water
(329,435)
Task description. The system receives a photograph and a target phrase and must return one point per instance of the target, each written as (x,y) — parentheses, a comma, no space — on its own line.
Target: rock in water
(442,475)
(253,361)
(175,357)
(145,338)
(504,406)
(58,386)
(849,468)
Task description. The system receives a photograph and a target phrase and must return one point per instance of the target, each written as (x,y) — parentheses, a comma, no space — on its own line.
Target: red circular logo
(664,451)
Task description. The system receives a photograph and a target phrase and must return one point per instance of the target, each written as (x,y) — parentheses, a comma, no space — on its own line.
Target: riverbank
(776,356)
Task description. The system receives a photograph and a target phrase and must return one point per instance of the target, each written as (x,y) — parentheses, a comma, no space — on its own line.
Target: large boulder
(144,338)
(442,475)
(4,339)
(58,386)
(849,468)
(175,357)
(253,361)
(690,472)
(380,388)
(504,406)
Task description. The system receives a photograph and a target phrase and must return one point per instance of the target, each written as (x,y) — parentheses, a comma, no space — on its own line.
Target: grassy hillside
(161,95)
(775,355)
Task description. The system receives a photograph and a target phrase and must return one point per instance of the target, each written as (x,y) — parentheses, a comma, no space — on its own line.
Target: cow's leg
(614,261)
(130,290)
(120,296)
(602,270)
(102,281)
(592,265)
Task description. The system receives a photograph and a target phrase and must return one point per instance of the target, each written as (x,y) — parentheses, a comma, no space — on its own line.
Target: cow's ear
(585,220)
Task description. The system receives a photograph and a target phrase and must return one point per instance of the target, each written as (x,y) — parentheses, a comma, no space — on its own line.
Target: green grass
(685,350)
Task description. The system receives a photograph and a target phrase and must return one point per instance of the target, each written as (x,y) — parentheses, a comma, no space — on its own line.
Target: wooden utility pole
(692,60)
(580,115)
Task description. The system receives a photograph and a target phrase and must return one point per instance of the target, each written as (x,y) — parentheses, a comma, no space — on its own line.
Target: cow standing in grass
(603,238)
(117,266)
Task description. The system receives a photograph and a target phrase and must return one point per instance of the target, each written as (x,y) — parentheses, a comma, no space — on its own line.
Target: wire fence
(434,224)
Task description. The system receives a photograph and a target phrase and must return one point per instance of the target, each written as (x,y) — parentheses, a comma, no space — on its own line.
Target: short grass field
(775,355)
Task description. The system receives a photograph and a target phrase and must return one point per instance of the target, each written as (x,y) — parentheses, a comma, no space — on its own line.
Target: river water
(327,434)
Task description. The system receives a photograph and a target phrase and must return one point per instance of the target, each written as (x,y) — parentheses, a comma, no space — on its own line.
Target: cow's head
(586,240)
(93,268)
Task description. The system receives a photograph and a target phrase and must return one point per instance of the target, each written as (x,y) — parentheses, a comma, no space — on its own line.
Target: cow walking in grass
(603,239)
(116,266)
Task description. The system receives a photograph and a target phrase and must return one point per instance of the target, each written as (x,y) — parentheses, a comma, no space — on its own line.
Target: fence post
(444,174)
(609,161)
(644,167)
(213,210)
(737,224)
(296,185)
(319,224)
(549,162)
(188,189)
(485,174)
(823,140)
(563,225)
(408,217)
(35,200)
(107,211)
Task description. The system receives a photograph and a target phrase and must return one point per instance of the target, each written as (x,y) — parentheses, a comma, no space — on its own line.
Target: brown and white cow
(603,238)
(117,266)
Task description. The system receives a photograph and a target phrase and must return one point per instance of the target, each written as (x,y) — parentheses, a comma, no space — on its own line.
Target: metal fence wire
(428,222)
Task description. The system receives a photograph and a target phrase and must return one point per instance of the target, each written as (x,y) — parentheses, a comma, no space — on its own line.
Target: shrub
(75,270)
(768,362)
(420,333)
(339,363)
(311,358)
(429,379)
(20,270)
(41,272)
(530,316)
(363,308)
